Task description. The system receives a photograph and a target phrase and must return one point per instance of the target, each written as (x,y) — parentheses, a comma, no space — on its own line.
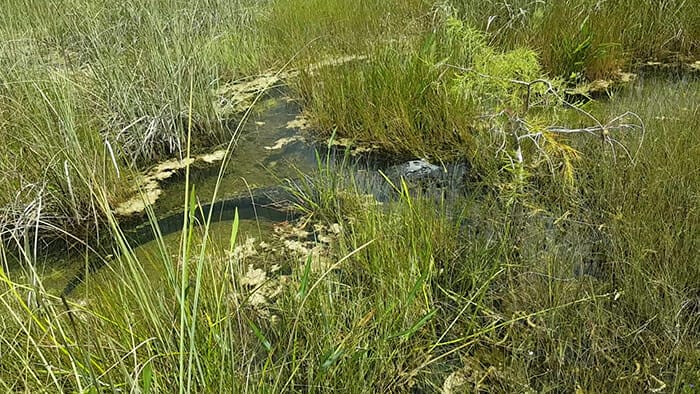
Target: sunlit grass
(523,286)
(90,89)
(587,37)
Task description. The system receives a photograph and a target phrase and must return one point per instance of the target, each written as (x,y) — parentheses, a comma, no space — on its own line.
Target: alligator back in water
(272,203)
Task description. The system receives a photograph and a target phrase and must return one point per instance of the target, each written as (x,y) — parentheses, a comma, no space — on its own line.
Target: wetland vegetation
(561,258)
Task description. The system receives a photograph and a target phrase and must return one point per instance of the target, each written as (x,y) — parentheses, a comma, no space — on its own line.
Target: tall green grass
(590,38)
(449,97)
(53,157)
(115,76)
(125,66)
(594,290)
(589,288)
(483,291)
(90,89)
(315,30)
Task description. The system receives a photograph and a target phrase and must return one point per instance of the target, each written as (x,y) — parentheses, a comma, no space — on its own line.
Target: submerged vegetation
(564,261)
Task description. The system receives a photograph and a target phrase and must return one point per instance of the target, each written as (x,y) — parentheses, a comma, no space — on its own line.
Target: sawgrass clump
(590,39)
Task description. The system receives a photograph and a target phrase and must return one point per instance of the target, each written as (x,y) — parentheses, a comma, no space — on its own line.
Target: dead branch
(518,124)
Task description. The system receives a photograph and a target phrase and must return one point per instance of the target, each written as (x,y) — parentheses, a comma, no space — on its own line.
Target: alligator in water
(272,203)
(275,204)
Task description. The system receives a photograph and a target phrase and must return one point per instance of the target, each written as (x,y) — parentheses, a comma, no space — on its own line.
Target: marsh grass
(588,38)
(592,287)
(401,98)
(638,228)
(93,90)
(53,157)
(481,291)
(315,30)
(450,97)
(126,330)
(123,67)
(596,290)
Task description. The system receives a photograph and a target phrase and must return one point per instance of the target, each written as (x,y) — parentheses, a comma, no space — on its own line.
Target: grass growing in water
(118,71)
(594,289)
(90,88)
(125,64)
(486,296)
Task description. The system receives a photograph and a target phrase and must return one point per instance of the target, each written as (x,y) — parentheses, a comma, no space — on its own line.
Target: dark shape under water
(273,203)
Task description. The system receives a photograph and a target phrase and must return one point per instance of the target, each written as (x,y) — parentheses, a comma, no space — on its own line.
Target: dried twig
(518,124)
